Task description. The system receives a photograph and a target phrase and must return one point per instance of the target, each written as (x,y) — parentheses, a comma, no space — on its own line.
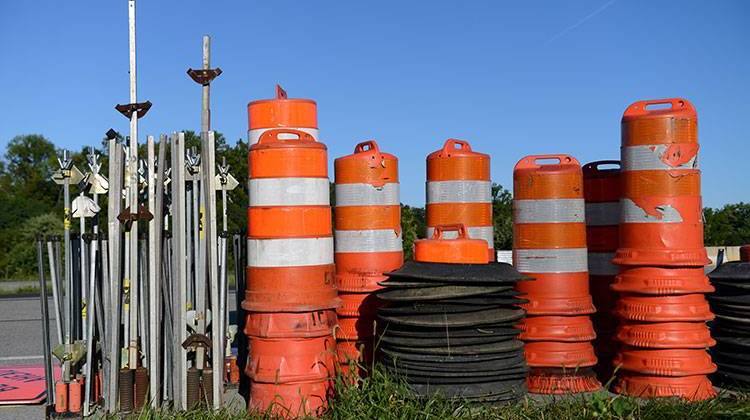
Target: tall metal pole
(66,164)
(153,286)
(55,291)
(179,355)
(45,322)
(133,182)
(206,96)
(113,324)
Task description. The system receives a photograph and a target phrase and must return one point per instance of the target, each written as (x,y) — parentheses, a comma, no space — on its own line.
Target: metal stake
(48,378)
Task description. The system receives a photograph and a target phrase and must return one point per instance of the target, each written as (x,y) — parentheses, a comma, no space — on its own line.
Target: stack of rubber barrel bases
(459,190)
(731,328)
(290,295)
(662,308)
(549,245)
(448,321)
(601,190)
(367,244)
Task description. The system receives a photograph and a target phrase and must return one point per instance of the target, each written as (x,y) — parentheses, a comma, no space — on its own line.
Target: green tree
(413,227)
(20,259)
(728,226)
(502,217)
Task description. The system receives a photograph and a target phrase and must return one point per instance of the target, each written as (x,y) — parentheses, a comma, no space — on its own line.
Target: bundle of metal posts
(290,292)
(367,244)
(661,255)
(601,190)
(459,191)
(549,245)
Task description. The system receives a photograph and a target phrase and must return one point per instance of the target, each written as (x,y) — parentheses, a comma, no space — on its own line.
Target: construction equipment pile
(448,325)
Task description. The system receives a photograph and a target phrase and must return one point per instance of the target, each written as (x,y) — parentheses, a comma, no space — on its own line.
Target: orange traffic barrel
(665,335)
(61,397)
(662,280)
(559,355)
(281,112)
(451,244)
(291,360)
(556,328)
(691,388)
(679,308)
(357,315)
(290,239)
(665,362)
(290,324)
(459,191)
(549,235)
(367,216)
(291,400)
(75,396)
(661,216)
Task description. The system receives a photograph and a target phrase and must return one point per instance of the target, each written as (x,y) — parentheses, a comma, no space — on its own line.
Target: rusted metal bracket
(127,218)
(197,340)
(204,76)
(128,109)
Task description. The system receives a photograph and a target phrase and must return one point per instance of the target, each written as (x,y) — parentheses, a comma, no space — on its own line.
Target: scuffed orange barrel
(281,112)
(662,280)
(661,215)
(291,400)
(290,238)
(549,245)
(691,388)
(291,360)
(459,191)
(290,324)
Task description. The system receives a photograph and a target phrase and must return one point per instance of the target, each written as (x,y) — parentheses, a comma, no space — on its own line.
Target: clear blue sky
(513,78)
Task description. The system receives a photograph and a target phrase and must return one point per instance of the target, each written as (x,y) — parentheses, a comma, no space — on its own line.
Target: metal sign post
(179,281)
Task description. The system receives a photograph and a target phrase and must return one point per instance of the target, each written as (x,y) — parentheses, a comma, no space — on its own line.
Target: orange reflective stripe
(549,235)
(538,185)
(289,222)
(382,169)
(273,113)
(659,130)
(470,214)
(288,162)
(368,217)
(638,184)
(464,168)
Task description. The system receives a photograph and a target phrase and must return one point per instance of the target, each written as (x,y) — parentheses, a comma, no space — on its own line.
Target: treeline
(30,203)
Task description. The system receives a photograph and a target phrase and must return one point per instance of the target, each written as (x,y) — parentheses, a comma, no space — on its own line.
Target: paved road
(21,342)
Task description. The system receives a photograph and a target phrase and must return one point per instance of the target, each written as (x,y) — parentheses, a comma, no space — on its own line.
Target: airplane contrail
(582,21)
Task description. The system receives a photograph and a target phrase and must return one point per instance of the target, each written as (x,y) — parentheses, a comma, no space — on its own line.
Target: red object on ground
(23,384)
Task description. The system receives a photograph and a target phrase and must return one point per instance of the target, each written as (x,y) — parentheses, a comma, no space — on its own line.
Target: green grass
(384,397)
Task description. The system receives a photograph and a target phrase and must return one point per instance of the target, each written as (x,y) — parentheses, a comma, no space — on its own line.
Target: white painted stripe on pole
(600,264)
(651,157)
(288,192)
(474,232)
(556,210)
(632,213)
(567,260)
(376,240)
(603,214)
(290,252)
(367,195)
(254,135)
(459,192)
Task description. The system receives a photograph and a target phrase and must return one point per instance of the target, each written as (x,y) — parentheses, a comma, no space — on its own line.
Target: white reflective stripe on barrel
(376,240)
(603,214)
(556,210)
(367,195)
(565,260)
(254,135)
(632,213)
(474,232)
(600,264)
(289,192)
(650,157)
(289,252)
(459,192)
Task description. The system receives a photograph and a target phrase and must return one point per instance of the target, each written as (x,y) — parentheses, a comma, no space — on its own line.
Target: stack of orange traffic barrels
(367,244)
(459,191)
(549,245)
(290,294)
(601,190)
(661,256)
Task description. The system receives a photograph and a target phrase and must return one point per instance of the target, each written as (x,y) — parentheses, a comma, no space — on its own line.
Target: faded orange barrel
(549,235)
(459,191)
(281,112)
(290,400)
(661,218)
(601,190)
(290,241)
(549,245)
(290,324)
(291,360)
(450,249)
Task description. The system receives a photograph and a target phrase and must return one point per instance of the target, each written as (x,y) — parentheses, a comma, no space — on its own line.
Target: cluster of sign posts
(139,293)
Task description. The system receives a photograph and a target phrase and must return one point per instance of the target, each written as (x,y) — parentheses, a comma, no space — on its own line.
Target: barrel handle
(437,233)
(450,145)
(594,166)
(273,135)
(641,107)
(280,92)
(533,161)
(367,146)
